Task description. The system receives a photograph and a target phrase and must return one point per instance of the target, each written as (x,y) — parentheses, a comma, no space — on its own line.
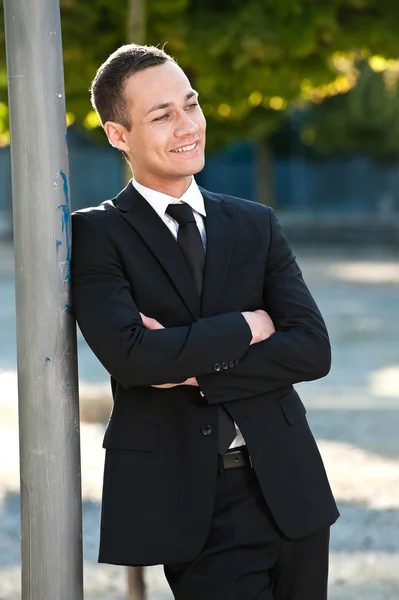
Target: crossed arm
(285,345)
(259,322)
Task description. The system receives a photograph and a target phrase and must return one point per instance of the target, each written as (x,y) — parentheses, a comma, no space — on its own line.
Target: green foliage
(247,58)
(3,74)
(365,120)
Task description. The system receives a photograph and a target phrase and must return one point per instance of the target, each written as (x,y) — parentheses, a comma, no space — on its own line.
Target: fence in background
(333,191)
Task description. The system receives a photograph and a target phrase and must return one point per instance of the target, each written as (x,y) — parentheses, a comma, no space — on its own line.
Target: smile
(186,148)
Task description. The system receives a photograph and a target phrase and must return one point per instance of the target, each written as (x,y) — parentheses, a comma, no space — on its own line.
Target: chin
(198,169)
(197,166)
(189,171)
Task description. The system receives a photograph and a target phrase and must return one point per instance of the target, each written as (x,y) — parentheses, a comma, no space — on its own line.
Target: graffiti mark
(66,226)
(58,243)
(69,309)
(47,360)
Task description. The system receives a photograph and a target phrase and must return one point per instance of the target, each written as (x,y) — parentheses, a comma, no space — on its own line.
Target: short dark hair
(107,89)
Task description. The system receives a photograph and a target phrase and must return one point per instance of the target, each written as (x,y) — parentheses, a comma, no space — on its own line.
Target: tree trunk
(136,33)
(136,22)
(136,583)
(264,172)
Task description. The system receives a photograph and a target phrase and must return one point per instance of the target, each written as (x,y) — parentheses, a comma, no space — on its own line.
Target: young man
(194,304)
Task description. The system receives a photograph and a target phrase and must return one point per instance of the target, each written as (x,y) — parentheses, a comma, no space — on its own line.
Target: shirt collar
(160,201)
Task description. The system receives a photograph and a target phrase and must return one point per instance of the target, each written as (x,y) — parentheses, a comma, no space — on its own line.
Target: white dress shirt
(193,197)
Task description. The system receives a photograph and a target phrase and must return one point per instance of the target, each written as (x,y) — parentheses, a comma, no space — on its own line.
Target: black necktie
(189,240)
(190,243)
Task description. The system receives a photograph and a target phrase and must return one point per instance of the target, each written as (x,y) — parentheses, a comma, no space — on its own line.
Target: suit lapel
(219,225)
(155,234)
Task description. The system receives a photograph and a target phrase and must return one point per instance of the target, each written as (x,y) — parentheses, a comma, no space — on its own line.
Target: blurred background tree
(251,62)
(364,120)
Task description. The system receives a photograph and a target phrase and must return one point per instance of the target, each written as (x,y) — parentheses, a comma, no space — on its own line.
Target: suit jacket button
(231,364)
(217,367)
(206,430)
(225,365)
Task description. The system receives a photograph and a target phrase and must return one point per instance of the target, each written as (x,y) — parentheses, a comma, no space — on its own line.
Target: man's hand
(261,325)
(150,323)
(153,324)
(166,386)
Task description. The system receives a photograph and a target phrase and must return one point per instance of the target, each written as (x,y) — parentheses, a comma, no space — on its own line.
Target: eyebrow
(162,105)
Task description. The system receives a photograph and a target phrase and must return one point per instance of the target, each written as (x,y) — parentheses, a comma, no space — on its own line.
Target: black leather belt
(237,457)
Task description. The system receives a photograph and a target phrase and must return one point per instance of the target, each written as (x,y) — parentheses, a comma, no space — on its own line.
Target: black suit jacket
(161,444)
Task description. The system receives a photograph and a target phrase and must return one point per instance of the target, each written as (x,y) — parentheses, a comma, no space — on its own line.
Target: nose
(185,125)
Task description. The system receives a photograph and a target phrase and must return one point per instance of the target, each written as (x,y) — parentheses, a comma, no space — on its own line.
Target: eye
(192,106)
(162,117)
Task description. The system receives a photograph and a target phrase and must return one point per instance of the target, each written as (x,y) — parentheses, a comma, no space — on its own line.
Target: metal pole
(46,333)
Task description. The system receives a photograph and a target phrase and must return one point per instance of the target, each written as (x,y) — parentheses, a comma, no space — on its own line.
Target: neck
(173,188)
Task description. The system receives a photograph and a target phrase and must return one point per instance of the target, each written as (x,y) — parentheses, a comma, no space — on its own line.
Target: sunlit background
(302,104)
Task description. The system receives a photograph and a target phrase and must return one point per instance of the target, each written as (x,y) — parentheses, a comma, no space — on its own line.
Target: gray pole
(46,334)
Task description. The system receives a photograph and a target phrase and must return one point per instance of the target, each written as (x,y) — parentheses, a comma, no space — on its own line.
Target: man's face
(167,140)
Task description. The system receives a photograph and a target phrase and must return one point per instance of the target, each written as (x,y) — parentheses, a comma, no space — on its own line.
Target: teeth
(185,148)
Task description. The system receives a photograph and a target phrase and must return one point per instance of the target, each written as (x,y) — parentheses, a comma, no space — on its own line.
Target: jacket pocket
(131,435)
(292,407)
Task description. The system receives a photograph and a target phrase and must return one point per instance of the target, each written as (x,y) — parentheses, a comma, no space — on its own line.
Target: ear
(116,134)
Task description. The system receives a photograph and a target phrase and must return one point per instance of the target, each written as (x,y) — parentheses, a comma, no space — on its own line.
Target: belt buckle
(236,457)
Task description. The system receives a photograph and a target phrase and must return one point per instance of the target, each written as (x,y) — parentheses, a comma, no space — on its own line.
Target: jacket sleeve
(111,324)
(300,348)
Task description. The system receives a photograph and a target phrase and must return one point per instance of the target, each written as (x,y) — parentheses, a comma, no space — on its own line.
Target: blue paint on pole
(47,360)
(69,309)
(58,243)
(66,225)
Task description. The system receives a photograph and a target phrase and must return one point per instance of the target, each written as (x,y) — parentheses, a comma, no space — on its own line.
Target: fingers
(264,314)
(151,323)
(190,381)
(166,386)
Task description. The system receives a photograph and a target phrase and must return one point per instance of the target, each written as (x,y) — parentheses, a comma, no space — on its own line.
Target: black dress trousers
(246,557)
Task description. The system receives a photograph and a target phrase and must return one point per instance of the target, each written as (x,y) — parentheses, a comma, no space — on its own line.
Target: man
(194,304)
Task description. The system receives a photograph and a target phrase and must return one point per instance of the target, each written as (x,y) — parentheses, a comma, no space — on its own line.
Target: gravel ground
(353,413)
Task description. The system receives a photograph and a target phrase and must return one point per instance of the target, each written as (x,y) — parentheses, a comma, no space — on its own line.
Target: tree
(365,119)
(248,59)
(136,32)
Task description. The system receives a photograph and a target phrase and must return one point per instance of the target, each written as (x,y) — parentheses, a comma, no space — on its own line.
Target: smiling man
(195,305)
